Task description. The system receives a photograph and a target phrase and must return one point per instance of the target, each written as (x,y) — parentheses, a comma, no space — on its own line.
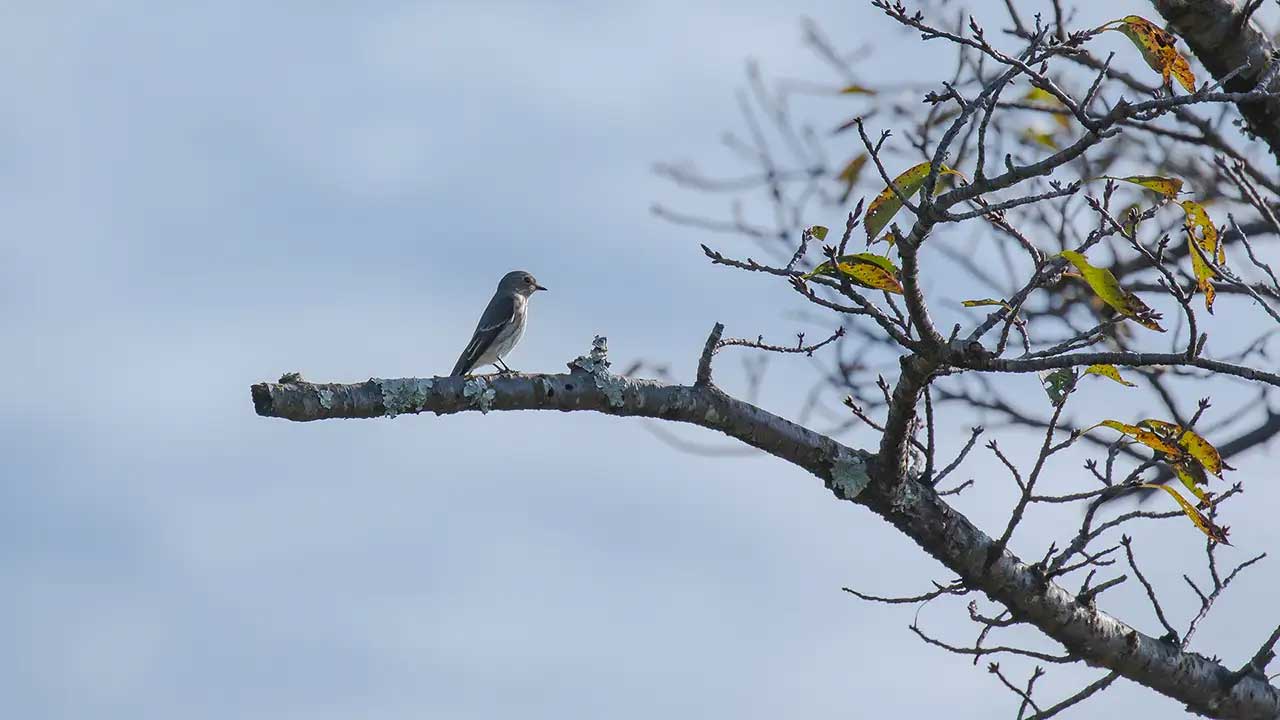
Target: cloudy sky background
(196,197)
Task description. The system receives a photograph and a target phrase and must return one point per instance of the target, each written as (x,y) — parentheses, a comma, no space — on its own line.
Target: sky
(199,196)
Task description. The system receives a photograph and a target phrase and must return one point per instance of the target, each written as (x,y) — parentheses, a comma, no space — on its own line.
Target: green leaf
(887,204)
(1107,288)
(1058,384)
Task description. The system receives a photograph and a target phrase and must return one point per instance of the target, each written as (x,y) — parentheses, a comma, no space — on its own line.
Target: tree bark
(1206,687)
(1224,39)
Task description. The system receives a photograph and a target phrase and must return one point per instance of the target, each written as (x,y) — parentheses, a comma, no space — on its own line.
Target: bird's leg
(502,367)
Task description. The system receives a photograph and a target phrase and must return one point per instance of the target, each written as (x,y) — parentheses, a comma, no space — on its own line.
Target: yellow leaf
(984,302)
(850,173)
(1192,476)
(1158,48)
(856,89)
(1168,187)
(1205,247)
(887,204)
(1206,526)
(1203,451)
(1108,289)
(1108,371)
(1144,436)
(1039,137)
(1044,98)
(1198,219)
(866,269)
(1166,430)
(1204,274)
(1040,95)
(871,275)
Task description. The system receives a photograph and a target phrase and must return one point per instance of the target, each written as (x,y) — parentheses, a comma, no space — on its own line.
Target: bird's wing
(500,312)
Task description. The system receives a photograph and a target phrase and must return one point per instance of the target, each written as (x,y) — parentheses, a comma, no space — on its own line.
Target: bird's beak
(538,287)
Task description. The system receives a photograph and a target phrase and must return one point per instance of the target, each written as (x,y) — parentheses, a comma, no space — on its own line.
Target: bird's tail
(462,367)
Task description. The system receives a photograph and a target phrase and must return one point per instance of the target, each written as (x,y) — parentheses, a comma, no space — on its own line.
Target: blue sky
(201,196)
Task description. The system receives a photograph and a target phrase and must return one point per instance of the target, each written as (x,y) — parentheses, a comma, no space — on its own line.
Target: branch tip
(704,362)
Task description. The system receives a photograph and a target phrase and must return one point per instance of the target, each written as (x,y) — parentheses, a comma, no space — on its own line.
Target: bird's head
(519,282)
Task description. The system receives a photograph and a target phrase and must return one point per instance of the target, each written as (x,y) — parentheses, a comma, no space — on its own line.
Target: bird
(501,325)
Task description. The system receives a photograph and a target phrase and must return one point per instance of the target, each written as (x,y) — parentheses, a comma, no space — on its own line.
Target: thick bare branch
(912,507)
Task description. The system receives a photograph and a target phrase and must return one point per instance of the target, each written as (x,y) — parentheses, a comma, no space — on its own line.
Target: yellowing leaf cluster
(1189,455)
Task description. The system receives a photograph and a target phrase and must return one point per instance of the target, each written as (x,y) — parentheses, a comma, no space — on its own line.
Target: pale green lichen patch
(596,360)
(612,387)
(849,476)
(596,364)
(404,395)
(478,391)
(326,398)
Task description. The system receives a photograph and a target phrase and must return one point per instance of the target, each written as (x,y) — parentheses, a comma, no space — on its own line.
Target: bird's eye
(528,280)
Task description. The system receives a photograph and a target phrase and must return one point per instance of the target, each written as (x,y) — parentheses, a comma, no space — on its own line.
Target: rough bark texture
(914,508)
(1224,39)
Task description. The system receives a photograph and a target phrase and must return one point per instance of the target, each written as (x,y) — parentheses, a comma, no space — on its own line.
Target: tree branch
(912,507)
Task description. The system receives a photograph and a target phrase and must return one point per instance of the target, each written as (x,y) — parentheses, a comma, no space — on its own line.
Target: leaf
(1206,526)
(850,173)
(887,204)
(1108,289)
(1039,137)
(1144,436)
(1108,371)
(1058,384)
(1192,476)
(818,231)
(1194,445)
(984,302)
(1203,451)
(1168,187)
(872,275)
(1166,430)
(1198,219)
(1158,48)
(1044,98)
(1204,274)
(866,269)
(1040,95)
(856,89)
(1205,248)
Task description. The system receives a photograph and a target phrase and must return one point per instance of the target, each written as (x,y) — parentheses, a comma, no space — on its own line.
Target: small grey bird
(501,325)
